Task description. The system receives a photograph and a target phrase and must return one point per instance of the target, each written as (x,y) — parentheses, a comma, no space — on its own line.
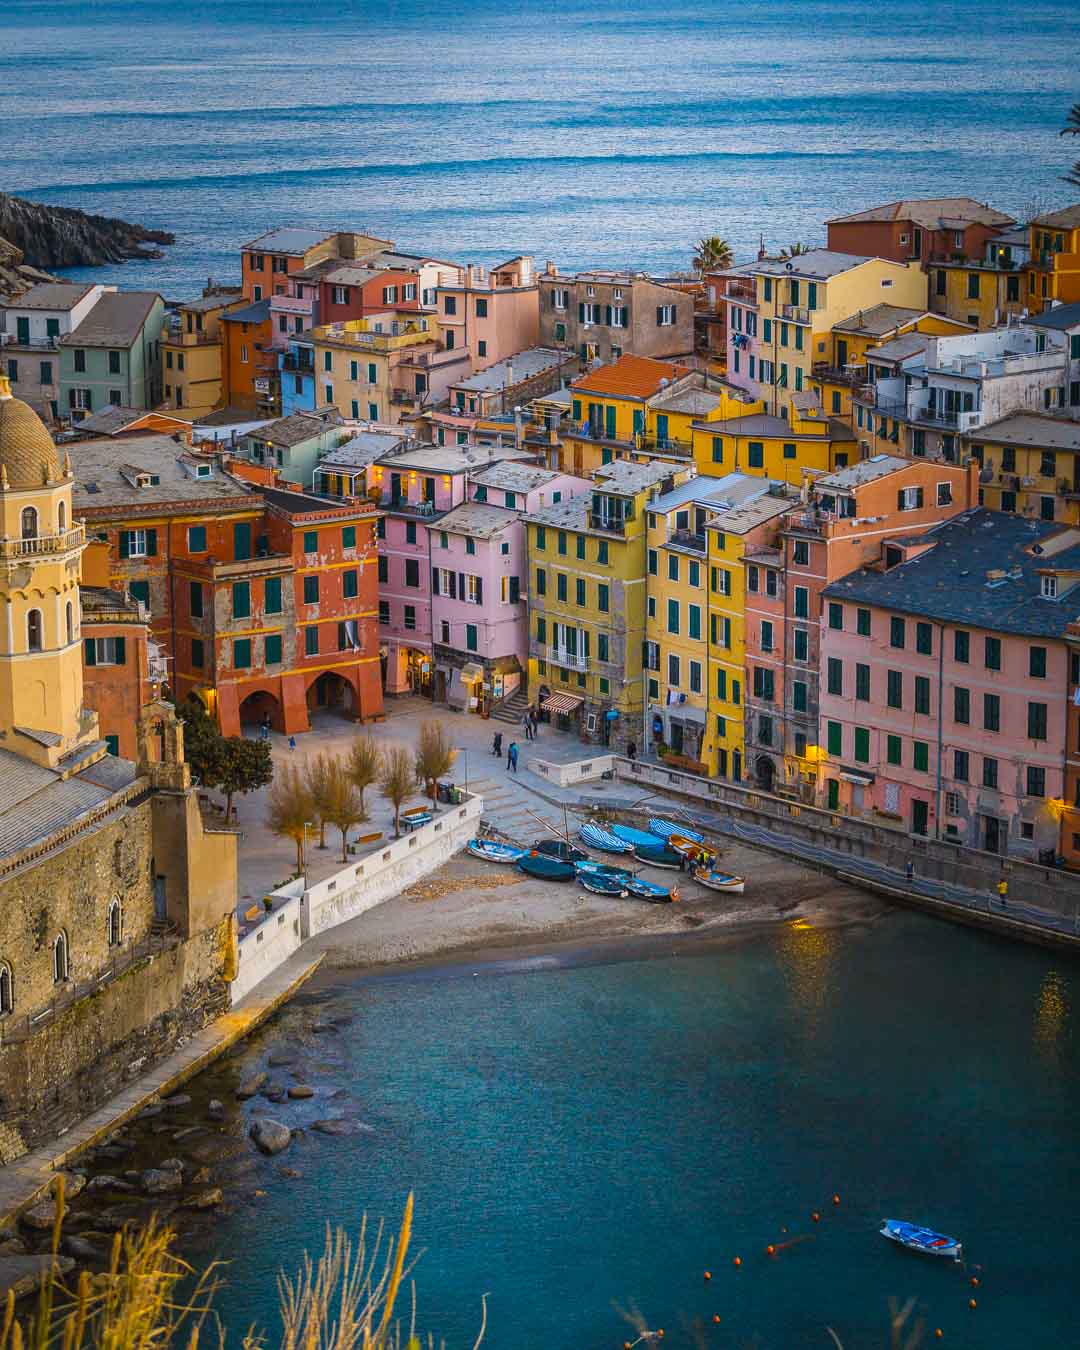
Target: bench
(363,839)
(255,912)
(414,819)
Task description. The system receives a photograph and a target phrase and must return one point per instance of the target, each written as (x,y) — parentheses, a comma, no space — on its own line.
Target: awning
(863,779)
(470,672)
(562,703)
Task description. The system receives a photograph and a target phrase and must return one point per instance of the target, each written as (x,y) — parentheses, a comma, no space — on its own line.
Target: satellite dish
(789,267)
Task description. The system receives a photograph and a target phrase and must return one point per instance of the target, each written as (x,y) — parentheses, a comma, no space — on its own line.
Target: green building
(113,356)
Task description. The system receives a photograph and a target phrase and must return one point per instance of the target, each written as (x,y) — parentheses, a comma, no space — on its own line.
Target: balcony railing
(180,337)
(938,417)
(610,524)
(48,343)
(594,431)
(665,445)
(403,506)
(870,394)
(741,291)
(688,539)
(796,313)
(298,364)
(43,543)
(855,376)
(569,660)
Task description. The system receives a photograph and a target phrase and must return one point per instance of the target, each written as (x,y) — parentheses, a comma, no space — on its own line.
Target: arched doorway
(764,771)
(257,707)
(331,692)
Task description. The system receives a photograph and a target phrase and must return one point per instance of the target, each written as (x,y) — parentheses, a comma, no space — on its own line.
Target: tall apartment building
(605,315)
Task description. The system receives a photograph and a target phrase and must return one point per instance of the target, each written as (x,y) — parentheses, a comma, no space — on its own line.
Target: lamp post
(465,763)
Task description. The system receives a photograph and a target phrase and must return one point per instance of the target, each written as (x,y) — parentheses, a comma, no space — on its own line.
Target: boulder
(251,1084)
(205,1199)
(301,1091)
(81,1249)
(21,1275)
(201,1177)
(270,1136)
(177,1100)
(215,1109)
(12,1246)
(159,1180)
(39,1217)
(274,1093)
(154,1109)
(322,1028)
(172,1165)
(187,1132)
(332,1126)
(106,1182)
(74,1184)
(280,1059)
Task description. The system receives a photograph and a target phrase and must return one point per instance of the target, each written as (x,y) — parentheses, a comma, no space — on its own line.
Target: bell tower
(41,687)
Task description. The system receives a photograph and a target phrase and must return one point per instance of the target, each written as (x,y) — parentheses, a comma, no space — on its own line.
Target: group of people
(511,751)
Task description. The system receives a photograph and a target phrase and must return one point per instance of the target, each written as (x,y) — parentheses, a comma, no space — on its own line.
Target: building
(780,448)
(608,414)
(490,312)
(353,290)
(603,316)
(117,421)
(192,346)
(920,230)
(798,301)
(268,261)
(294,446)
(490,398)
(1030,465)
(30,328)
(1062,323)
(587,601)
(116,907)
(114,355)
(1055,258)
(984,291)
(951,679)
(343,470)
(249,363)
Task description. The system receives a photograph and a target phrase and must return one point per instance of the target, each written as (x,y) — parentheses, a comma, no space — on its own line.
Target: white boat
(719,881)
(491,851)
(920,1239)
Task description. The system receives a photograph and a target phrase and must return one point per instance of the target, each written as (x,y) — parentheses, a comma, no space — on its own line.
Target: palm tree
(713,254)
(1072,128)
(793,250)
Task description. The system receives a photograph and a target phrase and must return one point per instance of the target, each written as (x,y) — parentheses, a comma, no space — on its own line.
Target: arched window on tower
(60,958)
(33,630)
(70,614)
(116,922)
(61,517)
(7,989)
(29,522)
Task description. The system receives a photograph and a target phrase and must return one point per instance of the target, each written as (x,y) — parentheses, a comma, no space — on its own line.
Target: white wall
(271,944)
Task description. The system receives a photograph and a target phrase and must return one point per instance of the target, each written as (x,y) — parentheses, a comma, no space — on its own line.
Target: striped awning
(562,703)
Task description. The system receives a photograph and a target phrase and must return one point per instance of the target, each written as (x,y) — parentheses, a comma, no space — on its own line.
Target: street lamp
(465,763)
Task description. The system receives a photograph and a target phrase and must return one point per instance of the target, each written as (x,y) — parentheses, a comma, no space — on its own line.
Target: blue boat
(646,890)
(634,837)
(596,837)
(919,1239)
(659,855)
(546,868)
(602,883)
(592,865)
(491,851)
(664,829)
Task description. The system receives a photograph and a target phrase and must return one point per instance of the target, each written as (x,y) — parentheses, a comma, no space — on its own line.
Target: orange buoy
(816,1216)
(975,1281)
(738,1261)
(716,1318)
(660,1334)
(783,1230)
(770,1250)
(626,1345)
(972,1303)
(708,1274)
(836,1199)
(939,1333)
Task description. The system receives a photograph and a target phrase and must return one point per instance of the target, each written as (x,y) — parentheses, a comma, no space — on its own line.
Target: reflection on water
(1051,1015)
(807,958)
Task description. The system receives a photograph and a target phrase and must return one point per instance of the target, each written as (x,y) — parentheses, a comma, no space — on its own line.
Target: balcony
(740,290)
(38,545)
(665,445)
(697,543)
(37,344)
(298,364)
(402,506)
(853,376)
(870,395)
(558,656)
(178,337)
(263,564)
(609,524)
(938,417)
(593,431)
(795,313)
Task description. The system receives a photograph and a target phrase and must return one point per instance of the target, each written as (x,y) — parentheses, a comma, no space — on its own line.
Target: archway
(257,707)
(331,692)
(764,771)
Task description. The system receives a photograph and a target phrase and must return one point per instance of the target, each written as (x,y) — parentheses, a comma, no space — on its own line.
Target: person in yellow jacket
(1003,893)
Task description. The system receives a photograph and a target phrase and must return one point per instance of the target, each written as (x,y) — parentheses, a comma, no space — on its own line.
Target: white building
(30,328)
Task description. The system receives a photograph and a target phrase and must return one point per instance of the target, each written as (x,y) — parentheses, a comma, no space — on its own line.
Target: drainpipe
(431,611)
(940,733)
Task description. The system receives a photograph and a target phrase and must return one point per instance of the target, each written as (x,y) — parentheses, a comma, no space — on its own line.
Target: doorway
(993,835)
(920,817)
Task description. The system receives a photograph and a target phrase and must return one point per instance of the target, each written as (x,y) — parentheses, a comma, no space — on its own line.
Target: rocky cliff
(60,236)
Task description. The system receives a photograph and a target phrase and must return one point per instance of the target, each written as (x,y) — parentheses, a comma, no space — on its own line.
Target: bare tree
(363,764)
(397,778)
(434,755)
(317,777)
(290,808)
(344,806)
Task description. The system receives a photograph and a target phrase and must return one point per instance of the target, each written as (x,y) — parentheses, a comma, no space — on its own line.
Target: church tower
(41,687)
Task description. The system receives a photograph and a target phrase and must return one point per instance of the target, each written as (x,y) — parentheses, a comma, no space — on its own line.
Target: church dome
(27,452)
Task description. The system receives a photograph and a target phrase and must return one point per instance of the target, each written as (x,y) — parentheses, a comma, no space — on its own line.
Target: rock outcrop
(61,236)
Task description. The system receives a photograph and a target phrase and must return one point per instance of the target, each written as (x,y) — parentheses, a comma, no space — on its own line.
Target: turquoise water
(578,1136)
(600,133)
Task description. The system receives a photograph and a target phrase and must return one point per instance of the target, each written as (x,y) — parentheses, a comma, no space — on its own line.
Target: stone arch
(69,617)
(61,517)
(115,928)
(333,691)
(260,704)
(61,958)
(7,989)
(764,772)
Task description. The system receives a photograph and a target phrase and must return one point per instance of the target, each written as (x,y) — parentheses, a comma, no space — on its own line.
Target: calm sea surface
(589,133)
(606,1133)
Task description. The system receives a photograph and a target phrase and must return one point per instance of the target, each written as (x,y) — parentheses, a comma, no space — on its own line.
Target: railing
(180,337)
(298,364)
(852,375)
(688,539)
(939,417)
(48,343)
(569,660)
(595,432)
(43,543)
(610,524)
(869,394)
(795,313)
(665,445)
(402,504)
(740,291)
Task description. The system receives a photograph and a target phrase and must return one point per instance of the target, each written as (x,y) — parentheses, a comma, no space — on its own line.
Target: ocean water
(598,133)
(581,1137)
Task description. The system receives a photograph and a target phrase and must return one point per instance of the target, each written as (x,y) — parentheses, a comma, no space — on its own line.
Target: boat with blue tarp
(919,1239)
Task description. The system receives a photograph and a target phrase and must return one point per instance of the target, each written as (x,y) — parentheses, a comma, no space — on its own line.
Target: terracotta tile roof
(631,376)
(930,212)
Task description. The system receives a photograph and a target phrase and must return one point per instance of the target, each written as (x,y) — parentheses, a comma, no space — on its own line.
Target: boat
(602,883)
(559,848)
(719,881)
(659,855)
(539,865)
(597,837)
(919,1239)
(692,849)
(647,890)
(631,836)
(664,829)
(491,851)
(592,865)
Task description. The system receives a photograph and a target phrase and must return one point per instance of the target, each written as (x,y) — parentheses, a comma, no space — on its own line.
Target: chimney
(550,270)
(761,254)
(519,427)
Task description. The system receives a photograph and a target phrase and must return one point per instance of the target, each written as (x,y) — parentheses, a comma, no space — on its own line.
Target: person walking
(496,745)
(292,742)
(266,727)
(511,756)
(1003,893)
(631,750)
(526,723)
(534,722)
(909,871)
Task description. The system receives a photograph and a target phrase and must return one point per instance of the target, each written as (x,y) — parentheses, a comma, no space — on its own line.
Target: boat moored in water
(919,1239)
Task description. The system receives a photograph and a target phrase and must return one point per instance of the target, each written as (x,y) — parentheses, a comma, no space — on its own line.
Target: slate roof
(930,212)
(865,471)
(949,581)
(695,401)
(56,295)
(294,429)
(878,320)
(710,490)
(818,264)
(291,239)
(99,483)
(515,477)
(36,802)
(205,304)
(258,312)
(1068,218)
(623,475)
(521,366)
(363,449)
(901,348)
(478,520)
(116,320)
(450,458)
(1060,317)
(301,503)
(1055,433)
(113,419)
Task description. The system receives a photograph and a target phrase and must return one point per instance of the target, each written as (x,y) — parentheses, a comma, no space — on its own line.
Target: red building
(933,228)
(353,290)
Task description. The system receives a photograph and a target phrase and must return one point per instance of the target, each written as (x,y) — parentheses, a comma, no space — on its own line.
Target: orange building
(1055,259)
(249,373)
(267,262)
(123,668)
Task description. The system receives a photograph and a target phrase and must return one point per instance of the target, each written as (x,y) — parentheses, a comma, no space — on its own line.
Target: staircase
(512,709)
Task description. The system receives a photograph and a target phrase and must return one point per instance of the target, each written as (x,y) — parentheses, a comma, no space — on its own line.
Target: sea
(587,132)
(585,1139)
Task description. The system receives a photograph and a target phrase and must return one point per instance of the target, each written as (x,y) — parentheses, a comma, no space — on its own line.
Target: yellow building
(801,299)
(775,447)
(1055,258)
(41,676)
(587,601)
(367,368)
(191,355)
(980,294)
(1030,465)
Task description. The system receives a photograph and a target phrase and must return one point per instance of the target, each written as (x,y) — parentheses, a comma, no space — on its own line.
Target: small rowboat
(659,855)
(545,868)
(923,1240)
(596,837)
(664,829)
(719,881)
(692,849)
(602,883)
(494,852)
(635,837)
(646,890)
(559,848)
(591,865)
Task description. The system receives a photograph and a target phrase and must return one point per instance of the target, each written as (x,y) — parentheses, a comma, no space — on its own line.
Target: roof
(624,476)
(351,273)
(206,303)
(570,514)
(712,490)
(478,520)
(116,320)
(298,503)
(817,263)
(901,348)
(931,213)
(865,471)
(1060,317)
(807,401)
(227,417)
(57,295)
(450,458)
(756,510)
(755,424)
(363,449)
(878,320)
(515,477)
(36,802)
(1053,433)
(27,453)
(695,401)
(112,419)
(99,483)
(295,429)
(258,312)
(521,366)
(630,377)
(290,239)
(949,581)
(1068,218)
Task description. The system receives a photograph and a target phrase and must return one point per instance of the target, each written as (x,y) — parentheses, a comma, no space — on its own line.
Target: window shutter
(461,586)
(151,543)
(435,581)
(89,651)
(121,651)
(607,315)
(581,312)
(479,590)
(900,499)
(515,590)
(453,585)
(585,643)
(659,315)
(124,543)
(71,398)
(918,496)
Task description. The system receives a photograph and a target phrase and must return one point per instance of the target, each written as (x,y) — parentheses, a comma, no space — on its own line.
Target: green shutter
(151,543)
(125,543)
(121,651)
(89,651)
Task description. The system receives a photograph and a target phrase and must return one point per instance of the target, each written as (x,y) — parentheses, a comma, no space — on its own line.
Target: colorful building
(920,230)
(268,261)
(603,316)
(114,355)
(1030,465)
(780,448)
(294,446)
(30,329)
(1055,258)
(587,601)
(945,706)
(986,291)
(488,400)
(192,355)
(249,365)
(608,414)
(490,312)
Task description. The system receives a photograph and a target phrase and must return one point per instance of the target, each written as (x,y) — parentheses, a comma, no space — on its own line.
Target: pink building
(943,683)
(740,302)
(493,313)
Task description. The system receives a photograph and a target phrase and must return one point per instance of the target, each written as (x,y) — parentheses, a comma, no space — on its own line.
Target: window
(834,738)
(470,547)
(665,316)
(802,600)
(114,363)
(961,705)
(311,541)
(920,756)
(800,553)
(196,538)
(541,581)
(962,647)
(862,682)
(412,573)
(602,648)
(61,967)
(311,641)
(673,670)
(993,653)
(470,637)
(924,640)
(195,599)
(991,712)
(384,611)
(895,687)
(602,598)
(894,750)
(108,651)
(835,676)
(862,745)
(602,552)
(798,696)
(348,536)
(766,636)
(896,633)
(862,622)
(560,585)
(1037,662)
(272,595)
(1036,782)
(673,567)
(241,599)
(922,695)
(241,653)
(960,767)
(350,584)
(474,590)
(138,543)
(197,653)
(909,499)
(801,645)
(1037,721)
(990,773)
(755,454)
(579,587)
(673,616)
